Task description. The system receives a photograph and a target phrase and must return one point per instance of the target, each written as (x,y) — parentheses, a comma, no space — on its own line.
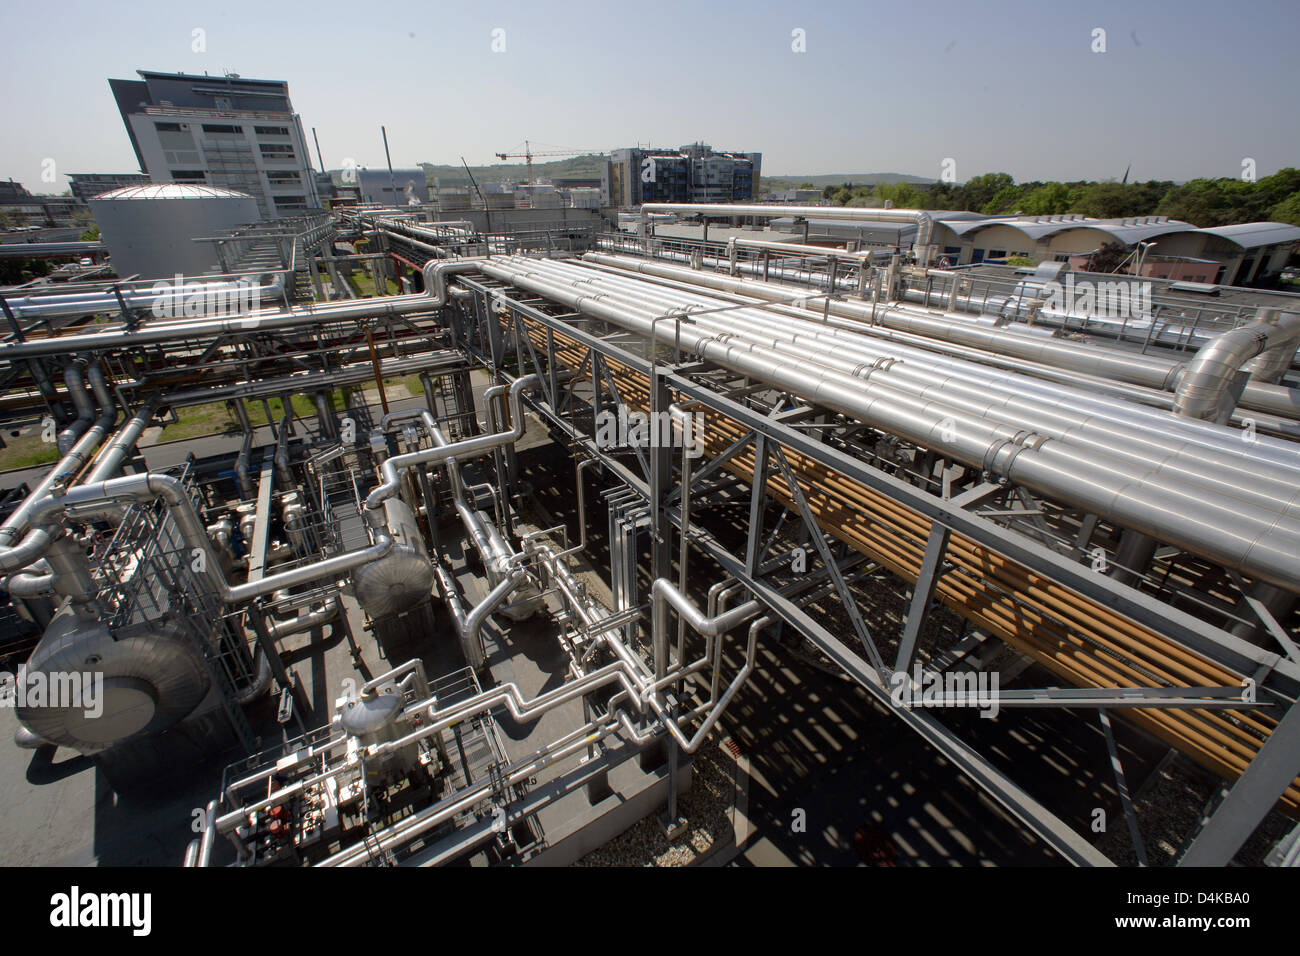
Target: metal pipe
(922,219)
(242,476)
(1253,540)
(81,402)
(150,333)
(1204,388)
(470,447)
(100,499)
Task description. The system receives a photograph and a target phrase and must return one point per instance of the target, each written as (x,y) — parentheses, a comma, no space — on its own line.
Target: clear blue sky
(1185,88)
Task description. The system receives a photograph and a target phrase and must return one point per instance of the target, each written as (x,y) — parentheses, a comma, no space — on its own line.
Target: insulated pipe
(1269,367)
(470,447)
(109,461)
(923,220)
(1259,543)
(242,476)
(63,472)
(325,415)
(282,472)
(150,333)
(1138,369)
(174,296)
(303,622)
(1147,370)
(1206,453)
(1203,390)
(975,389)
(81,402)
(99,500)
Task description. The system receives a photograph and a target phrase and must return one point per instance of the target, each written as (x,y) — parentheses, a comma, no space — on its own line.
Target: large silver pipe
(922,219)
(163,296)
(1060,412)
(109,461)
(81,402)
(1147,371)
(242,476)
(1204,388)
(151,333)
(16,524)
(1260,543)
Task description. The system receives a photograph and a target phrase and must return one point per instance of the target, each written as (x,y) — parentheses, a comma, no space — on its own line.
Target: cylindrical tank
(403,577)
(88,688)
(150,230)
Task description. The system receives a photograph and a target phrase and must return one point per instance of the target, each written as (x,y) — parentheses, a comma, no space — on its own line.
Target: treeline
(1202,202)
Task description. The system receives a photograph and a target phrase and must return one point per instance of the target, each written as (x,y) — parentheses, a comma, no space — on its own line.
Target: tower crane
(528,154)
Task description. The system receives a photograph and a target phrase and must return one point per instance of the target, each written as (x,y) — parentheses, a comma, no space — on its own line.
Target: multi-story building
(86,186)
(692,173)
(227,131)
(20,209)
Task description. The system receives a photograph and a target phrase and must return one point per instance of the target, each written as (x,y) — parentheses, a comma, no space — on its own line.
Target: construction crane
(528,154)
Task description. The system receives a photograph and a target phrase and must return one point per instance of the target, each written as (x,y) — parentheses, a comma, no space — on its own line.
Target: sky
(1177,90)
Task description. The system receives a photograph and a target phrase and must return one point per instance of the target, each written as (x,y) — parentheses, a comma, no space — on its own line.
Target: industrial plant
(371,523)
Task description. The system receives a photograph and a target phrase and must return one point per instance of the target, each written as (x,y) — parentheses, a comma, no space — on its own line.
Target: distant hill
(858,179)
(576,167)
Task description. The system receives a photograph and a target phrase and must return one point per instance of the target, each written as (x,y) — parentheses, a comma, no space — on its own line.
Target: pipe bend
(1203,387)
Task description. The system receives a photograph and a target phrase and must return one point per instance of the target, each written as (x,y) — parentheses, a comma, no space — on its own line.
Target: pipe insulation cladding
(1254,536)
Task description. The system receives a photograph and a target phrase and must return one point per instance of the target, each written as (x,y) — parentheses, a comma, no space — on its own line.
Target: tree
(978,192)
(1288,210)
(1108,257)
(91,234)
(1049,199)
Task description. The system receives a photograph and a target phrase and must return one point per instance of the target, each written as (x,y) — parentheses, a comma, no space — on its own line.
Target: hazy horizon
(1182,91)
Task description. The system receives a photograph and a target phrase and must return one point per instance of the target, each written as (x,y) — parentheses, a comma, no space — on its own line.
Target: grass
(364,286)
(26,451)
(216,418)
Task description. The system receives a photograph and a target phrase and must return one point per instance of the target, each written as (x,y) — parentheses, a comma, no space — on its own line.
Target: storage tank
(150,230)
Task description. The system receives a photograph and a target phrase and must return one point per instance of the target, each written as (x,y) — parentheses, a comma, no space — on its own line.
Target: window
(167,127)
(220,128)
(997,253)
(278,150)
(271,130)
(189,175)
(291,202)
(283,176)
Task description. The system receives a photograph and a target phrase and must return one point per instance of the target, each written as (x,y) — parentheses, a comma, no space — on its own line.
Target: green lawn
(26,451)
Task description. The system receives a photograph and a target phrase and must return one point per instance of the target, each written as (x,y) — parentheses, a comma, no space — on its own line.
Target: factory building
(689,174)
(226,131)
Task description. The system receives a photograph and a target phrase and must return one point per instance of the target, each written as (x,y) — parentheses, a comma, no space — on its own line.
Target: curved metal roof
(170,191)
(1127,231)
(1252,235)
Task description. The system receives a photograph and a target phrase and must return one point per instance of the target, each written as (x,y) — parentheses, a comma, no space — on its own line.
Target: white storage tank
(150,230)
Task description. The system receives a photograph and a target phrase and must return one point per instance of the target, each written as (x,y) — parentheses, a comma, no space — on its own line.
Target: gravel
(707,809)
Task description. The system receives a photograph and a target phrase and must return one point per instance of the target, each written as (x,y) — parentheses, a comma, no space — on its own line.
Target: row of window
(225,128)
(276,177)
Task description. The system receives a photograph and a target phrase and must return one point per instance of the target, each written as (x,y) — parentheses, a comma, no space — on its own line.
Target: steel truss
(513,333)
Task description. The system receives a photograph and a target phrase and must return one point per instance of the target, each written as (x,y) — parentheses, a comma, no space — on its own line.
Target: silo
(150,230)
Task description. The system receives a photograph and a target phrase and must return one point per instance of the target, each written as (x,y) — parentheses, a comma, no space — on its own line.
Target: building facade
(224,131)
(692,173)
(86,186)
(19,209)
